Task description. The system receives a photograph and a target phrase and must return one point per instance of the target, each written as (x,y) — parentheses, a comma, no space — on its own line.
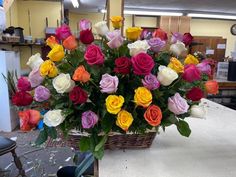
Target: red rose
(187,39)
(86,36)
(142,64)
(191,73)
(63,32)
(195,94)
(22,98)
(23,84)
(78,95)
(159,33)
(122,65)
(94,55)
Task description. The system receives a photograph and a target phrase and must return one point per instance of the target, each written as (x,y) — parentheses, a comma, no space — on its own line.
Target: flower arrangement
(114,84)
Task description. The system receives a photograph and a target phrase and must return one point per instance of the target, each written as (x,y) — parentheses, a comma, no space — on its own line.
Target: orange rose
(51,42)
(212,87)
(70,43)
(29,119)
(81,74)
(153,115)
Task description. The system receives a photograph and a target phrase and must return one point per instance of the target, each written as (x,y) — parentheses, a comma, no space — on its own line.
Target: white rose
(35,61)
(138,47)
(166,75)
(198,111)
(53,118)
(178,48)
(63,83)
(101,28)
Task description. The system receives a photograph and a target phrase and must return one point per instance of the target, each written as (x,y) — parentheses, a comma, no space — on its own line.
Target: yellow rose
(117,22)
(176,65)
(57,53)
(124,120)
(143,97)
(114,103)
(133,33)
(190,59)
(48,68)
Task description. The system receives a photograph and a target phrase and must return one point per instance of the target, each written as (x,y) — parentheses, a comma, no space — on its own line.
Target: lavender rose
(156,44)
(41,94)
(177,104)
(35,78)
(150,82)
(89,119)
(115,39)
(176,37)
(109,84)
(204,67)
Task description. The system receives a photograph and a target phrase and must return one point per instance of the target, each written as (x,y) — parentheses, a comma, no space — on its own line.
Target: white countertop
(210,151)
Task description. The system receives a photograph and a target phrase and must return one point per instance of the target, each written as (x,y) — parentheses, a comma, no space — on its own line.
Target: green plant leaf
(84,144)
(101,143)
(99,154)
(107,122)
(42,138)
(52,132)
(183,128)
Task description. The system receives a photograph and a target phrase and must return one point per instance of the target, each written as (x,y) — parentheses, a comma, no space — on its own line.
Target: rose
(114,103)
(35,61)
(178,48)
(63,83)
(109,84)
(187,39)
(101,28)
(176,37)
(138,47)
(89,119)
(146,34)
(150,82)
(115,39)
(176,65)
(63,32)
(166,75)
(70,43)
(86,36)
(190,59)
(22,98)
(28,119)
(53,118)
(156,44)
(177,104)
(122,65)
(35,78)
(212,87)
(191,73)
(51,42)
(84,24)
(117,22)
(143,97)
(133,33)
(78,95)
(23,84)
(57,53)
(204,67)
(93,55)
(41,93)
(48,68)
(81,75)
(142,64)
(124,120)
(195,94)
(197,111)
(159,33)
(153,115)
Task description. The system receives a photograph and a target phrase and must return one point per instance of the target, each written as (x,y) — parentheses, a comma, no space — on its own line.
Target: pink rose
(94,55)
(115,39)
(187,39)
(142,64)
(63,32)
(109,84)
(84,24)
(23,84)
(35,78)
(204,67)
(191,73)
(177,104)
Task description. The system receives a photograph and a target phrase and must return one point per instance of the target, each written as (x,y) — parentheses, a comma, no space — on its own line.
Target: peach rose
(212,87)
(81,74)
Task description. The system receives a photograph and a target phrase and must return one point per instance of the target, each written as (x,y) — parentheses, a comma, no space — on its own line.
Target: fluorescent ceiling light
(151,13)
(230,17)
(75,3)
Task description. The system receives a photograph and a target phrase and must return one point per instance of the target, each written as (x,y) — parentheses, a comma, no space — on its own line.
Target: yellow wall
(12,15)
(203,27)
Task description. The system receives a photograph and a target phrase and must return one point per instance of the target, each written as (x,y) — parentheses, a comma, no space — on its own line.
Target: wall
(12,15)
(204,27)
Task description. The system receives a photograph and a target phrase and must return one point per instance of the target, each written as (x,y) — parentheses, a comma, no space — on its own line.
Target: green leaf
(107,122)
(183,128)
(99,154)
(101,143)
(52,132)
(42,138)
(84,165)
(67,112)
(84,144)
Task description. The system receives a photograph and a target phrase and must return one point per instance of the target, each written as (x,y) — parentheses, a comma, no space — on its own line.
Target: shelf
(20,44)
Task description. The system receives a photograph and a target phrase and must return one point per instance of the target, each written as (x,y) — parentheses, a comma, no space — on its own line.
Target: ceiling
(212,6)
